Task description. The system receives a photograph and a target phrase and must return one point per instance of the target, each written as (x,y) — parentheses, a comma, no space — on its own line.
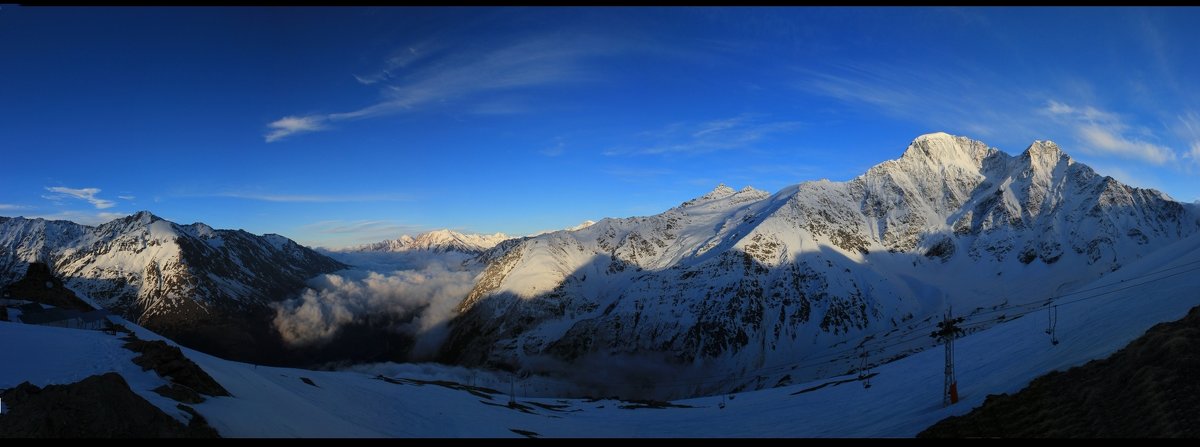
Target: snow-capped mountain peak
(181,279)
(201,230)
(943,149)
(1046,154)
(719,192)
(437,241)
(723,196)
(143,216)
(584,224)
(743,278)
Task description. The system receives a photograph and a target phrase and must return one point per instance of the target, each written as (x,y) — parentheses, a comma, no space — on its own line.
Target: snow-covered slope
(437,241)
(738,279)
(189,281)
(1095,319)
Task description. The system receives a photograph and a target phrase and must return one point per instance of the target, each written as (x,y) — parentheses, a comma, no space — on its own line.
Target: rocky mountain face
(209,289)
(738,279)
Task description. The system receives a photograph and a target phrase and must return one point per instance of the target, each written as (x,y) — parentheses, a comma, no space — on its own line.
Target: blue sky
(342,126)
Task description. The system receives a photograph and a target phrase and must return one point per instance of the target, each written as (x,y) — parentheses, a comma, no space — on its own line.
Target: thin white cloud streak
(1090,114)
(973,103)
(11,207)
(1106,140)
(290,125)
(437,76)
(126,197)
(1188,129)
(88,194)
(983,105)
(400,59)
(697,138)
(1104,133)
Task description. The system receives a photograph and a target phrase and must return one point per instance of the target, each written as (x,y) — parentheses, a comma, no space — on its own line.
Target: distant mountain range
(733,280)
(437,241)
(445,240)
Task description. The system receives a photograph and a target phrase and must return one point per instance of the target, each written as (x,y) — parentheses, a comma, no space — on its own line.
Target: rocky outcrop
(169,362)
(100,406)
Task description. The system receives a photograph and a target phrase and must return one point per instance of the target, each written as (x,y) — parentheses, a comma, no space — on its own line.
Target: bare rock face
(100,406)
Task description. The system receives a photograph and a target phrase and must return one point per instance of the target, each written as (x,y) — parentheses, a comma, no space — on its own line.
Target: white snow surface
(1094,321)
(443,240)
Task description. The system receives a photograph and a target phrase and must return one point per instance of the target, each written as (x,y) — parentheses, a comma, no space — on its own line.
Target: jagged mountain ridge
(739,279)
(437,241)
(202,286)
(446,241)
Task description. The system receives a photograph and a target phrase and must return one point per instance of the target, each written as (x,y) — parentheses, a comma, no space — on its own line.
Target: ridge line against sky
(342,126)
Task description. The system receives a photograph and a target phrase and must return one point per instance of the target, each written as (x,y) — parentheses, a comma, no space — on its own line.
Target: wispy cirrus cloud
(419,76)
(1106,134)
(88,194)
(981,104)
(698,138)
(972,102)
(11,207)
(398,60)
(289,125)
(1188,129)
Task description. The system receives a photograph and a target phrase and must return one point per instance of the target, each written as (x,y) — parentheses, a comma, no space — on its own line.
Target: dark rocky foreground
(100,406)
(1147,389)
